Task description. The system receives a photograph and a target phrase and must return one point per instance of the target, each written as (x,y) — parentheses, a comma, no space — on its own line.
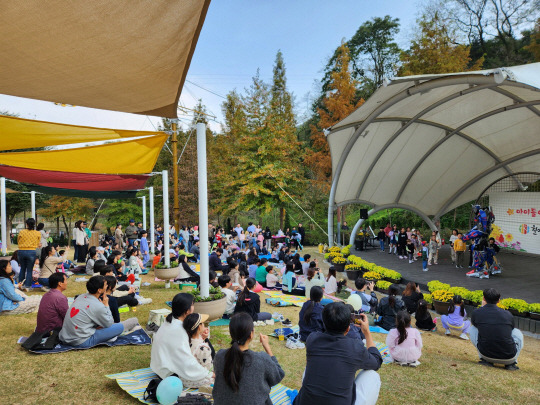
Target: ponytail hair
(457,300)
(331,272)
(421,310)
(310,274)
(240,328)
(250,283)
(44,254)
(181,304)
(392,292)
(315,295)
(403,321)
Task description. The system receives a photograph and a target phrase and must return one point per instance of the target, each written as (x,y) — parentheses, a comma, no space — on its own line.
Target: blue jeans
(27,258)
(424,264)
(102,335)
(43,281)
(381,243)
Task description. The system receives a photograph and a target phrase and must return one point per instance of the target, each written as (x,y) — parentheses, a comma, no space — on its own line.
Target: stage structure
(431,143)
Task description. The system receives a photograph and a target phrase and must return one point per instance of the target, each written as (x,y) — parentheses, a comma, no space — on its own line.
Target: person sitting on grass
(253,266)
(369,299)
(249,302)
(242,375)
(456,318)
(310,317)
(388,308)
(54,304)
(411,296)
(314,278)
(333,360)
(290,285)
(193,276)
(404,342)
(212,278)
(234,273)
(13,301)
(494,334)
(201,348)
(272,280)
(331,285)
(260,273)
(424,321)
(89,321)
(48,263)
(230,292)
(171,353)
(130,323)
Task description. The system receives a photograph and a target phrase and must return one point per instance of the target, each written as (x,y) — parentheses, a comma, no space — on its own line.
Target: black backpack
(151,390)
(42,340)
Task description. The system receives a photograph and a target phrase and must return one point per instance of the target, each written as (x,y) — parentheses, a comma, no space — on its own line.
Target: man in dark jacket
(132,232)
(215,262)
(493,333)
(302,232)
(333,350)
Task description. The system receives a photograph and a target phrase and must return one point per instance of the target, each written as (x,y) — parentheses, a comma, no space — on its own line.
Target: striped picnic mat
(135,383)
(291,299)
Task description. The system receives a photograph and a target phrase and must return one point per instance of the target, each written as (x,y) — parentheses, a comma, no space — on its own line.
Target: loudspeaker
(363,213)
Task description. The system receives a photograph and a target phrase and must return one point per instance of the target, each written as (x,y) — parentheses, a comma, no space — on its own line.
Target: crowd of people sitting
(335,334)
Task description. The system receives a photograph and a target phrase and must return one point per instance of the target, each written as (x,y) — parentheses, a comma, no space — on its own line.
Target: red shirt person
(54,305)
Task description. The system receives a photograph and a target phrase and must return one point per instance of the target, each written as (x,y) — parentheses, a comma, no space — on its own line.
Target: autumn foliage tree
(338,103)
(69,209)
(435,51)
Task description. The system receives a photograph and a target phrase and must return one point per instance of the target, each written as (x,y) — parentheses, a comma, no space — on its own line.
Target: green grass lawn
(449,372)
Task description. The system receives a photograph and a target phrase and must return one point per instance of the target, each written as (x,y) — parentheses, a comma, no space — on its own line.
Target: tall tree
(435,51)
(337,104)
(373,49)
(68,209)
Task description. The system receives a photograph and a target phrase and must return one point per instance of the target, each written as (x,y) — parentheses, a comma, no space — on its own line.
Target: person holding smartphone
(89,320)
(333,350)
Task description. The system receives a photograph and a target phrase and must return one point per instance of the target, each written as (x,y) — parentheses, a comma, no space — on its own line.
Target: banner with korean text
(517,220)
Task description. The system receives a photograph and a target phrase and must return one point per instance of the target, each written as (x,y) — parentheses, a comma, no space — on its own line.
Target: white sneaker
(426,269)
(260,323)
(447,332)
(269,322)
(291,343)
(464,336)
(415,364)
(410,261)
(300,345)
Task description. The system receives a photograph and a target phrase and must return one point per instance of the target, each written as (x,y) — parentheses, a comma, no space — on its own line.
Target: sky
(239,37)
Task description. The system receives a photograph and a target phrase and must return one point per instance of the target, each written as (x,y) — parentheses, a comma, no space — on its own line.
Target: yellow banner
(19,133)
(126,157)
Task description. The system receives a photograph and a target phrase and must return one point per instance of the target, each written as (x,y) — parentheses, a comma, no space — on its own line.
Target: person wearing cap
(171,353)
(131,232)
(101,253)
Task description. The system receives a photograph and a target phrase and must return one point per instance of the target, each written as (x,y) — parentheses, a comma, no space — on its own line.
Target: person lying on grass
(333,360)
(171,353)
(89,320)
(242,375)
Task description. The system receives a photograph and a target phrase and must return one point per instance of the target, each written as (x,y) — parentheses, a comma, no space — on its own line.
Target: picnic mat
(135,383)
(291,299)
(220,322)
(139,337)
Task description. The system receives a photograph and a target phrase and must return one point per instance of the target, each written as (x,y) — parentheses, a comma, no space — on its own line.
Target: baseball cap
(131,220)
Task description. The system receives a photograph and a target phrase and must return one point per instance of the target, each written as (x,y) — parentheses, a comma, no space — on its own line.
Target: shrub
(437,285)
(515,304)
(383,284)
(371,275)
(346,251)
(162,265)
(534,308)
(339,260)
(428,298)
(391,274)
(475,296)
(442,295)
(334,249)
(460,291)
(215,294)
(353,267)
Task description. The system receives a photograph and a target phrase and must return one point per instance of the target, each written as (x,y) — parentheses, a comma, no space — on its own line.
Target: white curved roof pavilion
(431,143)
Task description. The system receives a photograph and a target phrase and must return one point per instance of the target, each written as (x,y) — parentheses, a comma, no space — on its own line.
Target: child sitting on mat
(404,342)
(200,345)
(423,318)
(272,280)
(225,283)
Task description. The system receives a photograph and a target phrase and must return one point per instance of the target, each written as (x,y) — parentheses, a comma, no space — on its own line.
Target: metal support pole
(33,204)
(165,178)
(144,212)
(203,208)
(176,206)
(152,234)
(3,214)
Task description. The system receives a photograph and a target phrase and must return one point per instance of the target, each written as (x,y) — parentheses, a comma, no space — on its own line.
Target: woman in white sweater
(171,353)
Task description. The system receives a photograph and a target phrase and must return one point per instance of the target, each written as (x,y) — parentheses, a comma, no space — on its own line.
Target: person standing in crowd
(453,238)
(131,232)
(402,244)
(459,248)
(494,334)
(80,242)
(145,250)
(387,230)
(88,237)
(302,232)
(381,237)
(332,350)
(29,240)
(119,236)
(44,236)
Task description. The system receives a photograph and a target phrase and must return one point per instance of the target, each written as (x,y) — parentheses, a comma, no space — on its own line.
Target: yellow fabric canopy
(121,55)
(19,133)
(126,157)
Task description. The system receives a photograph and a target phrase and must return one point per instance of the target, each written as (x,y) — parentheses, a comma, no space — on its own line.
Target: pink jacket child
(404,342)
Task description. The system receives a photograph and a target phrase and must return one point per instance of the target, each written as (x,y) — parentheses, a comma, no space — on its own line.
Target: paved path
(520,277)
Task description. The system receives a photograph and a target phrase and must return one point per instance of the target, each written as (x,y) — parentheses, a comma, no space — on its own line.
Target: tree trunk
(58,226)
(67,228)
(281,217)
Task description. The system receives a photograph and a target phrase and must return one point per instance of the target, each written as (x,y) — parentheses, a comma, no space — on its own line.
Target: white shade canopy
(434,142)
(121,55)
